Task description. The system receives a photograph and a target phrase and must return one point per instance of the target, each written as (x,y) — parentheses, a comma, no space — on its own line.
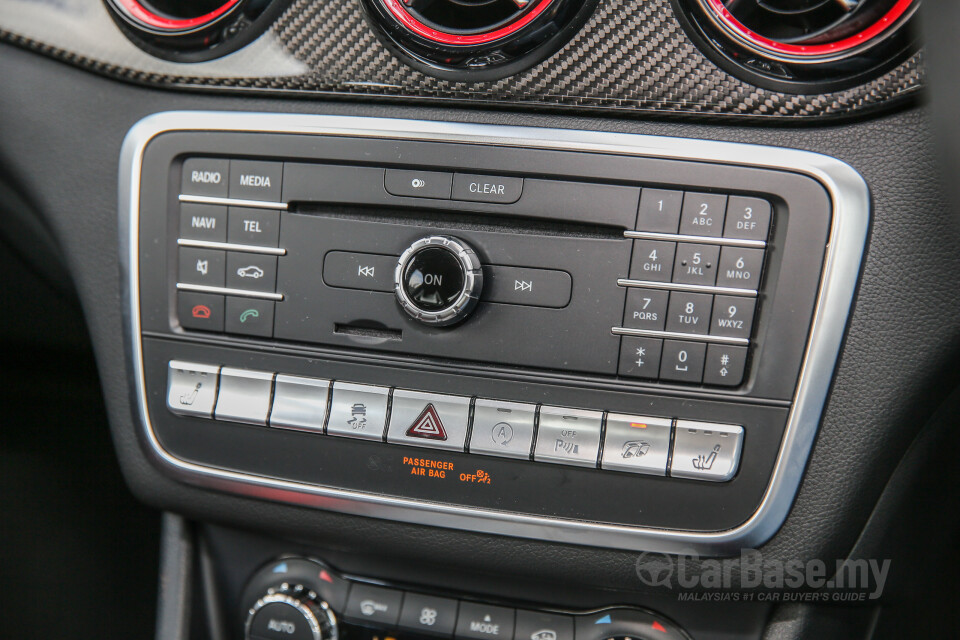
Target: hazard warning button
(429,420)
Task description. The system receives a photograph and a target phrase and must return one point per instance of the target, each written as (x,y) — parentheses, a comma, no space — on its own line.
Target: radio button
(429,420)
(526,286)
(192,388)
(358,411)
(689,312)
(484,622)
(640,357)
(696,264)
(201,266)
(249,317)
(702,214)
(205,177)
(363,271)
(725,365)
(568,436)
(747,218)
(251,271)
(659,211)
(492,189)
(251,180)
(503,428)
(418,184)
(652,260)
(203,222)
(637,444)
(201,311)
(706,451)
(299,403)
(244,396)
(682,361)
(740,268)
(258,227)
(646,309)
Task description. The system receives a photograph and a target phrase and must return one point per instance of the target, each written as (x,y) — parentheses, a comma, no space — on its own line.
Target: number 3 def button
(426,614)
(249,317)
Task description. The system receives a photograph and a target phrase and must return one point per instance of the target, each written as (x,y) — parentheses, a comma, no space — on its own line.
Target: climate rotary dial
(291,611)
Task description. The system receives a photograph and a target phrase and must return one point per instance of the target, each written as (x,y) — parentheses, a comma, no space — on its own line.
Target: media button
(493,189)
(418,184)
(253,180)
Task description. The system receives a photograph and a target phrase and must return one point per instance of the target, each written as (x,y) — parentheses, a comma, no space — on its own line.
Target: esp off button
(493,189)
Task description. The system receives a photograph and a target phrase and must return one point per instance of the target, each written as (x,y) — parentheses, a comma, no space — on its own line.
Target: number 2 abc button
(427,614)
(636,443)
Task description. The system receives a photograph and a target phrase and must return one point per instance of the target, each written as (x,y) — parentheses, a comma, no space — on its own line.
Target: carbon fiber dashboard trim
(631,58)
(850,222)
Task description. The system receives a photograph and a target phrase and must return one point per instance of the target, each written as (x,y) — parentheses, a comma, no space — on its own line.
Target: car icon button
(251,272)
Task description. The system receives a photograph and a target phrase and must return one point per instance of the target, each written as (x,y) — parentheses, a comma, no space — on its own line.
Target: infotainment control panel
(603,339)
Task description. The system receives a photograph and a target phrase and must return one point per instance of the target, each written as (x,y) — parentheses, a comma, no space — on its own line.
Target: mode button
(495,189)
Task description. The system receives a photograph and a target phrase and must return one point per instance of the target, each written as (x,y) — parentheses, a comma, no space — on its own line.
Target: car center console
(603,339)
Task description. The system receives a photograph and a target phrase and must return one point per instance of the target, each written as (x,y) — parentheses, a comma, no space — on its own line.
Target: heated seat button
(363,271)
(418,184)
(427,614)
(706,451)
(484,622)
(367,604)
(493,189)
(526,286)
(251,180)
(192,388)
(535,625)
(200,311)
(205,177)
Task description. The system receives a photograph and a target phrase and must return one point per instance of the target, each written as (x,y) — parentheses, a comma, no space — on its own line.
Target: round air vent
(819,43)
(192,30)
(476,39)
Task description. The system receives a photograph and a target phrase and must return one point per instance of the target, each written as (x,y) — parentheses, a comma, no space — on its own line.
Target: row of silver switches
(523,431)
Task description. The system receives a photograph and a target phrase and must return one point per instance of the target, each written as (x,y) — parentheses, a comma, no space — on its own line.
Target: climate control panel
(507,330)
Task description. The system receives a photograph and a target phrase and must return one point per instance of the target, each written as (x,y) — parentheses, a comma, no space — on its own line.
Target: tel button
(493,189)
(484,622)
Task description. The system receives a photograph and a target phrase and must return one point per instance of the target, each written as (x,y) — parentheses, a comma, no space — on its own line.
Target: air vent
(476,39)
(820,43)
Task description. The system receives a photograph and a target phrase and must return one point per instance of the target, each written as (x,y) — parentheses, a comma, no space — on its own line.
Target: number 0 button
(682,361)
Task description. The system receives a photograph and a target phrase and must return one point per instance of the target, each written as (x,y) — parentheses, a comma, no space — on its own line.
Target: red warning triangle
(428,425)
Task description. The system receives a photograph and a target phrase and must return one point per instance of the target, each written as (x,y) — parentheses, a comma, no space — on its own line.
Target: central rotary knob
(438,280)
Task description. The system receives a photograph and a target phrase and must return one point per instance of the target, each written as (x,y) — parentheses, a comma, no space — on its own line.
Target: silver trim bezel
(850,200)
